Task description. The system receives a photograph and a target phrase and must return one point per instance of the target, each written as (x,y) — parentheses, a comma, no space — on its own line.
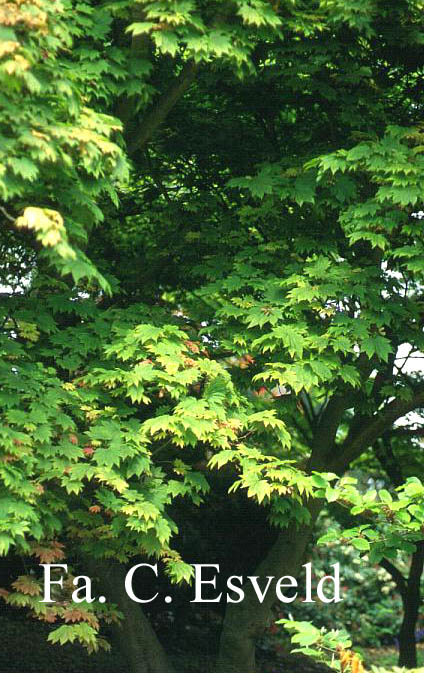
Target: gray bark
(245,622)
(135,636)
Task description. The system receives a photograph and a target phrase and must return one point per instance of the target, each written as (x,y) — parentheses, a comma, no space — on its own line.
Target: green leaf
(361,544)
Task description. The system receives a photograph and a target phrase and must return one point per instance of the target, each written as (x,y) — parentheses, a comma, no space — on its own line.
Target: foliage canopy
(212,258)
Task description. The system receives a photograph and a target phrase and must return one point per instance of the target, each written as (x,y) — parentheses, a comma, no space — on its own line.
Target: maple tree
(212,254)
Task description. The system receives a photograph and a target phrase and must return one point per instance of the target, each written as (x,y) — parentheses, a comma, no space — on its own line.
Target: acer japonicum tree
(212,253)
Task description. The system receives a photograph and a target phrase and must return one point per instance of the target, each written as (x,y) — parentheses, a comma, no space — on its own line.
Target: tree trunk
(407,644)
(245,622)
(411,604)
(135,636)
(409,589)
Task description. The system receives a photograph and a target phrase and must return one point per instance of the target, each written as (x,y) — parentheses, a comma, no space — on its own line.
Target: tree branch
(396,575)
(417,564)
(384,453)
(325,433)
(160,110)
(368,433)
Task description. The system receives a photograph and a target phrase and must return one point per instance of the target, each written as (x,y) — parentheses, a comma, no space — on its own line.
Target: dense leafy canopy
(212,255)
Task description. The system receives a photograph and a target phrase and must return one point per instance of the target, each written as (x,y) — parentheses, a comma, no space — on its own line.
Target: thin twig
(7,215)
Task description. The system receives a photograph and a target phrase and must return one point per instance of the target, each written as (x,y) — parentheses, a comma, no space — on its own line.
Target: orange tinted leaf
(49,553)
(72,615)
(27,585)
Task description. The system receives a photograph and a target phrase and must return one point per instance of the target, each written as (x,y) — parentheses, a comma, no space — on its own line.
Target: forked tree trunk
(245,622)
(135,636)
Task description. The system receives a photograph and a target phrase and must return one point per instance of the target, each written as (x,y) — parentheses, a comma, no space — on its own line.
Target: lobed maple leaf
(49,552)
